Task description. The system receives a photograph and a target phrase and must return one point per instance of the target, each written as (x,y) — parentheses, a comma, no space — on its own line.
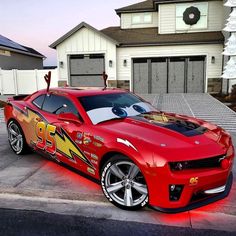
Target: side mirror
(69,117)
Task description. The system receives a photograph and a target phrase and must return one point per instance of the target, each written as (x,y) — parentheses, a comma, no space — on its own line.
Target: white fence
(25,81)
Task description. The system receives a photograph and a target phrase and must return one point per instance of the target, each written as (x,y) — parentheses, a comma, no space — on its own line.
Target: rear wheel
(16,138)
(124,184)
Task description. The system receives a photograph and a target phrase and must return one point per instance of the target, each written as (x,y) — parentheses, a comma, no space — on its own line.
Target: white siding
(212,70)
(126,21)
(166,18)
(216,16)
(86,41)
(167,15)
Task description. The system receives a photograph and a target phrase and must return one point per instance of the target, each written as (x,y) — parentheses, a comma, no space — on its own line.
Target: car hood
(165,132)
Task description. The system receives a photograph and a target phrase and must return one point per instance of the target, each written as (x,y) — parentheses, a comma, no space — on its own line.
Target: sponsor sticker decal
(87,140)
(96,144)
(94,156)
(193,181)
(91,171)
(99,138)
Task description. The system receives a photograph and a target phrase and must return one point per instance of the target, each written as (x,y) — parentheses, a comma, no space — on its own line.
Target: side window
(38,102)
(59,104)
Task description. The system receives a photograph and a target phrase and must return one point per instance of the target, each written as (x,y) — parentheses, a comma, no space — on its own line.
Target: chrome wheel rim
(125,184)
(15,137)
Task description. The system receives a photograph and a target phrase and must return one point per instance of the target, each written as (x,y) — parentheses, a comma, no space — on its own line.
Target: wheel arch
(107,156)
(112,153)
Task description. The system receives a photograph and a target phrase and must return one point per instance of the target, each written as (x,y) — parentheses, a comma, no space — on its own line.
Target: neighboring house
(16,56)
(160,47)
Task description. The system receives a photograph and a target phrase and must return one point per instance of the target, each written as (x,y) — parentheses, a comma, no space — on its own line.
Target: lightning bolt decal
(67,147)
(64,144)
(127,143)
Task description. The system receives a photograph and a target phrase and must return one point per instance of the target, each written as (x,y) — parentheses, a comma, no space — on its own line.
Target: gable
(77,29)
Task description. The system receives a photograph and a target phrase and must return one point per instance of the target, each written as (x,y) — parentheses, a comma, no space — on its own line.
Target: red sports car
(141,155)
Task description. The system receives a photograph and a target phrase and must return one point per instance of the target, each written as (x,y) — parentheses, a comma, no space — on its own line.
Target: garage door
(158,75)
(176,75)
(196,71)
(86,70)
(169,75)
(141,83)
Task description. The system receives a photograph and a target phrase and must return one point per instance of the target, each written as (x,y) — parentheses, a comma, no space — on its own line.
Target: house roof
(150,5)
(10,45)
(150,36)
(75,29)
(147,5)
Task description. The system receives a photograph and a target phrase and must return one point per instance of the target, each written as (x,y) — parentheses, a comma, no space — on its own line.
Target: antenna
(47,78)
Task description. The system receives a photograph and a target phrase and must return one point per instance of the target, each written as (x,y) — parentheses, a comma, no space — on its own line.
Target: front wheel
(16,138)
(124,184)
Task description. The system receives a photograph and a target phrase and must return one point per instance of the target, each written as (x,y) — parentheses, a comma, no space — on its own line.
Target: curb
(104,210)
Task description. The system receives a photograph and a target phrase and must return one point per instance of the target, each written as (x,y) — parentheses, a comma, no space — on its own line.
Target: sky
(38,23)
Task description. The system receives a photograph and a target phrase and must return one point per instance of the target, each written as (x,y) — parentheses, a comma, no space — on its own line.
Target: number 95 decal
(46,140)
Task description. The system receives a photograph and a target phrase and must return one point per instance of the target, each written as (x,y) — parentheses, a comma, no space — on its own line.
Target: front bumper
(204,201)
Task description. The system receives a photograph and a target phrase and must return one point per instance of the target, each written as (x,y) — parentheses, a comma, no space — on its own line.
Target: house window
(5,53)
(141,18)
(147,18)
(191,16)
(136,19)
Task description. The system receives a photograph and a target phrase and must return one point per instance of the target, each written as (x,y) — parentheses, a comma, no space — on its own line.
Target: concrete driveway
(35,183)
(202,106)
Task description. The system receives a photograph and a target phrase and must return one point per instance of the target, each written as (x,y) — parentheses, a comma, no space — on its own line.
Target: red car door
(61,133)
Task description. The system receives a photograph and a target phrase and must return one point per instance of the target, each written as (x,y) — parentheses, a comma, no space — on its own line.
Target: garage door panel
(141,76)
(195,76)
(86,70)
(176,75)
(172,75)
(159,75)
(87,66)
(87,81)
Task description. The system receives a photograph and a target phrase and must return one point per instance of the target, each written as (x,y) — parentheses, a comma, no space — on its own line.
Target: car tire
(124,184)
(16,138)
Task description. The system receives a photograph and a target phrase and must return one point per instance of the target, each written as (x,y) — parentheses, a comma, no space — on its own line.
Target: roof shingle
(150,36)
(150,5)
(145,5)
(8,43)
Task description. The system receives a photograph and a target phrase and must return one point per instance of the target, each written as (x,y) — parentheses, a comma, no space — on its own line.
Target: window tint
(38,102)
(109,100)
(59,104)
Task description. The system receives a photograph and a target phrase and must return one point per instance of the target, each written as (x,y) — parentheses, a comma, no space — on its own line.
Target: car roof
(78,92)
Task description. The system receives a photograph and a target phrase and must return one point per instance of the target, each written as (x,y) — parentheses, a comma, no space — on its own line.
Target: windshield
(104,107)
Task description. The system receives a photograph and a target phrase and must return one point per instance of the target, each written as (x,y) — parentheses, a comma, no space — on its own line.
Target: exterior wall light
(213,60)
(125,63)
(61,64)
(110,63)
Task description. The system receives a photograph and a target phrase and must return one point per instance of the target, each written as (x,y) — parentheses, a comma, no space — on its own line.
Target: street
(29,223)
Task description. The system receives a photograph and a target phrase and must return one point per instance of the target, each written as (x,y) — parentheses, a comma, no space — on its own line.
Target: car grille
(212,162)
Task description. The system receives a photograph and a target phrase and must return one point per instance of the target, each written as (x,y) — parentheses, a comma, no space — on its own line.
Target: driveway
(32,182)
(202,106)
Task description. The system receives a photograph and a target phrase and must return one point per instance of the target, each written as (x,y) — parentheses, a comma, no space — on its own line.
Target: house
(16,56)
(160,47)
